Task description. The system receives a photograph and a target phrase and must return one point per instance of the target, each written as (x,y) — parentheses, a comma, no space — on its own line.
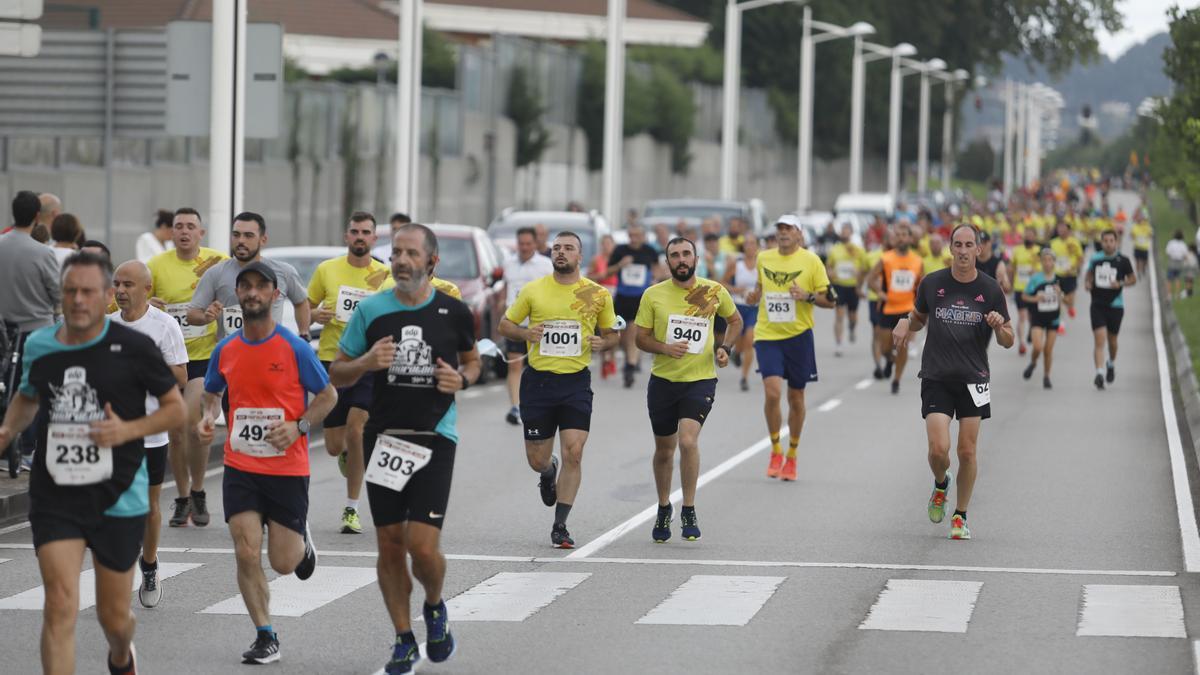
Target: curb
(1183,376)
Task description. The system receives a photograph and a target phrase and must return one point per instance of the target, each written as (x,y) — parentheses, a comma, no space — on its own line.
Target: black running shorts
(156,464)
(669,402)
(283,499)
(553,401)
(115,542)
(427,493)
(952,399)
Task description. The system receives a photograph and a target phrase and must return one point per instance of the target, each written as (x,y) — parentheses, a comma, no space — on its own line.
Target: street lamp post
(614,110)
(876,52)
(808,43)
(932,65)
(950,81)
(1008,139)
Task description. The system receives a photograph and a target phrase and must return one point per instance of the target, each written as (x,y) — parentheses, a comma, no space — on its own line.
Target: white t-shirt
(166,333)
(149,246)
(517,273)
(1177,251)
(62,254)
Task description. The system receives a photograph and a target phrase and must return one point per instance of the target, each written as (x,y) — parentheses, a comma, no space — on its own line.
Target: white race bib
(1023,275)
(902,280)
(693,329)
(393,462)
(561,338)
(1049,301)
(1106,276)
(74,459)
(231,319)
(1142,241)
(347,300)
(781,307)
(179,313)
(248,435)
(634,275)
(1063,268)
(981,394)
(846,270)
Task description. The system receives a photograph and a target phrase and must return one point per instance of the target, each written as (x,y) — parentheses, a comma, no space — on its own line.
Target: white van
(868,203)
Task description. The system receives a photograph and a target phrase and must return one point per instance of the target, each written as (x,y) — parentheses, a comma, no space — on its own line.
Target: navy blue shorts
(357,395)
(115,541)
(283,499)
(749,315)
(1068,284)
(553,401)
(670,402)
(197,369)
(875,311)
(794,359)
(847,296)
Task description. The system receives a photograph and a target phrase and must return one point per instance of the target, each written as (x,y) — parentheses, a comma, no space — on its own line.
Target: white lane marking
(1131,611)
(1196,655)
(512,596)
(711,600)
(292,597)
(829,405)
(923,605)
(1188,532)
(646,515)
(863,384)
(482,391)
(35,598)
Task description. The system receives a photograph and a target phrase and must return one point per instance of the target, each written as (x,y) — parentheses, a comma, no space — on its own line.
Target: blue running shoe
(687,519)
(405,656)
(662,524)
(439,642)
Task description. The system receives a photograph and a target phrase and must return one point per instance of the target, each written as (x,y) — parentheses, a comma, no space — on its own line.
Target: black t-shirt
(635,279)
(73,384)
(406,395)
(956,349)
(990,266)
(1101,269)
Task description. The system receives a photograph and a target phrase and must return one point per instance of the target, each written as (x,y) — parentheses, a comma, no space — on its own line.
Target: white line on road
(292,597)
(35,598)
(863,384)
(708,600)
(1188,532)
(1131,611)
(512,596)
(829,405)
(923,605)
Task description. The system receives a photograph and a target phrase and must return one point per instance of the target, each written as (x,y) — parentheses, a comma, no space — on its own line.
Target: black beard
(360,250)
(686,276)
(256,314)
(250,255)
(564,267)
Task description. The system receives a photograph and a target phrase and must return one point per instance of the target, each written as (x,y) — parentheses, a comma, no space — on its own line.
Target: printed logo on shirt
(704,300)
(376,278)
(589,300)
(276,368)
(781,278)
(413,361)
(203,265)
(959,316)
(75,401)
(941,293)
(979,298)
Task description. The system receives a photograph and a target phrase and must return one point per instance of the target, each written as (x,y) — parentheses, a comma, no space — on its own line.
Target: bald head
(51,208)
(132,283)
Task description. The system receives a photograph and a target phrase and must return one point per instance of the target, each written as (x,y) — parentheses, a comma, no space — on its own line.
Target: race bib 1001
(248,435)
(72,458)
(347,301)
(902,280)
(1106,276)
(393,462)
(981,394)
(692,329)
(781,307)
(561,338)
(179,313)
(231,319)
(634,275)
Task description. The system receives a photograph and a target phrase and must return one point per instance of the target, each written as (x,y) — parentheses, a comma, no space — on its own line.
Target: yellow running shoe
(937,503)
(350,521)
(958,528)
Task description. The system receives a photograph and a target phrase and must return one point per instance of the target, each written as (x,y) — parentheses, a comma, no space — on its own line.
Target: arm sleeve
(174,349)
(51,279)
(33,348)
(354,338)
(295,291)
(617,254)
(519,310)
(214,381)
(313,377)
(205,289)
(725,308)
(820,277)
(316,287)
(645,313)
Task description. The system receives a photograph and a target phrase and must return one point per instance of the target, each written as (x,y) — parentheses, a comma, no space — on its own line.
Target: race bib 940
(692,329)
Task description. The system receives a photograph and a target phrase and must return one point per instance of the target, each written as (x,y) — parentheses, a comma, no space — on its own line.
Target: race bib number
(249,432)
(1106,276)
(231,319)
(347,301)
(74,459)
(845,270)
(781,307)
(393,462)
(179,313)
(981,394)
(561,338)
(1049,301)
(1063,268)
(634,275)
(693,329)
(1023,275)
(902,280)
(1142,241)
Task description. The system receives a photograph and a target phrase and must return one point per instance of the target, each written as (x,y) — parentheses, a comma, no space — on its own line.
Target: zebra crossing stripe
(711,600)
(292,597)
(35,598)
(512,596)
(1131,611)
(921,605)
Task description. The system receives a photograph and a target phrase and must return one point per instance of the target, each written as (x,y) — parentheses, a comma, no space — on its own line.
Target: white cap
(789,219)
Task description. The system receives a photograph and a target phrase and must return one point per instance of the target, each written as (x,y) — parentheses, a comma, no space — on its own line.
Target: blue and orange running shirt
(264,379)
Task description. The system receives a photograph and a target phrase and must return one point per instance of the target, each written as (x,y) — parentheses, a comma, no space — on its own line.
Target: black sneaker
(887,369)
(1046,383)
(1029,371)
(690,529)
(1110,373)
(548,485)
(662,524)
(895,387)
(264,649)
(514,416)
(183,509)
(405,656)
(745,386)
(560,538)
(439,642)
(309,564)
(149,593)
(1099,381)
(200,508)
(878,374)
(736,358)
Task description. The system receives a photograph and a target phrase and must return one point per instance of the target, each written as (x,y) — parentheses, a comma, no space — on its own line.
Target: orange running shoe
(789,469)
(773,467)
(1062,330)
(1071,312)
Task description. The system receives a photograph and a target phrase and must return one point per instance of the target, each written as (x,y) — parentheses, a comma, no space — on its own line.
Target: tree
(439,65)
(1176,153)
(977,161)
(524,107)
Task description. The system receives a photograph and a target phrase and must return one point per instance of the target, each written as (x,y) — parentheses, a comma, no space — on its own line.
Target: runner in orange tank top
(895,278)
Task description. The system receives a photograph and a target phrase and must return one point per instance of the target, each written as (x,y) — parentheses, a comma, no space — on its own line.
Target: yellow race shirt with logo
(934,263)
(446,287)
(1025,263)
(776,274)
(1143,236)
(174,281)
(575,311)
(340,286)
(677,314)
(873,258)
(848,261)
(1069,252)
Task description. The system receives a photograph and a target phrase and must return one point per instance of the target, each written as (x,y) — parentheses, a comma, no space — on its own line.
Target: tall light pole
(951,80)
(408,107)
(731,87)
(1008,138)
(873,52)
(808,43)
(1022,120)
(924,69)
(614,110)
(227,129)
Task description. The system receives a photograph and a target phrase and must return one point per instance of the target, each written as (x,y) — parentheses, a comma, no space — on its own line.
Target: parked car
(305,259)
(469,259)
(590,226)
(669,211)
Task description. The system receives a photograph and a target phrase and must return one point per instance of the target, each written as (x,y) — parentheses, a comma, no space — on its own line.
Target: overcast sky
(1143,18)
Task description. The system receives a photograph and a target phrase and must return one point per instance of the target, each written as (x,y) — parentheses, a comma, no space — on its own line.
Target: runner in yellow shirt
(846,265)
(675,323)
(174,275)
(875,305)
(1068,253)
(1026,261)
(938,257)
(1143,239)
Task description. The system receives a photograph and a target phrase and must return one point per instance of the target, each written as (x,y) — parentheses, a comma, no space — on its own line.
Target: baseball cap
(984,236)
(789,219)
(261,268)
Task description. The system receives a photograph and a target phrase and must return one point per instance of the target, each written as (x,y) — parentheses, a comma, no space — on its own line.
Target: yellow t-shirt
(174,281)
(923,246)
(446,287)
(339,285)
(727,244)
(676,314)
(848,262)
(873,258)
(570,313)
(1025,263)
(1143,236)
(779,315)
(1069,252)
(934,263)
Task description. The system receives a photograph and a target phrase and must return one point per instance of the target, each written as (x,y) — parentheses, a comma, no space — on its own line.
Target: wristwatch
(465,382)
(302,426)
(726,348)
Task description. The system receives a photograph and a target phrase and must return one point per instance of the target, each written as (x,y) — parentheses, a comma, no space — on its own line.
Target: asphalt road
(1076,563)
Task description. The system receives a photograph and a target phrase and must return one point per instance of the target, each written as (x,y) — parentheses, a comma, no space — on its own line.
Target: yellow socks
(793,443)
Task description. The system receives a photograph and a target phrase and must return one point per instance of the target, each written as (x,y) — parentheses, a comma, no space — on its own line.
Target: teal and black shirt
(73,384)
(1115,268)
